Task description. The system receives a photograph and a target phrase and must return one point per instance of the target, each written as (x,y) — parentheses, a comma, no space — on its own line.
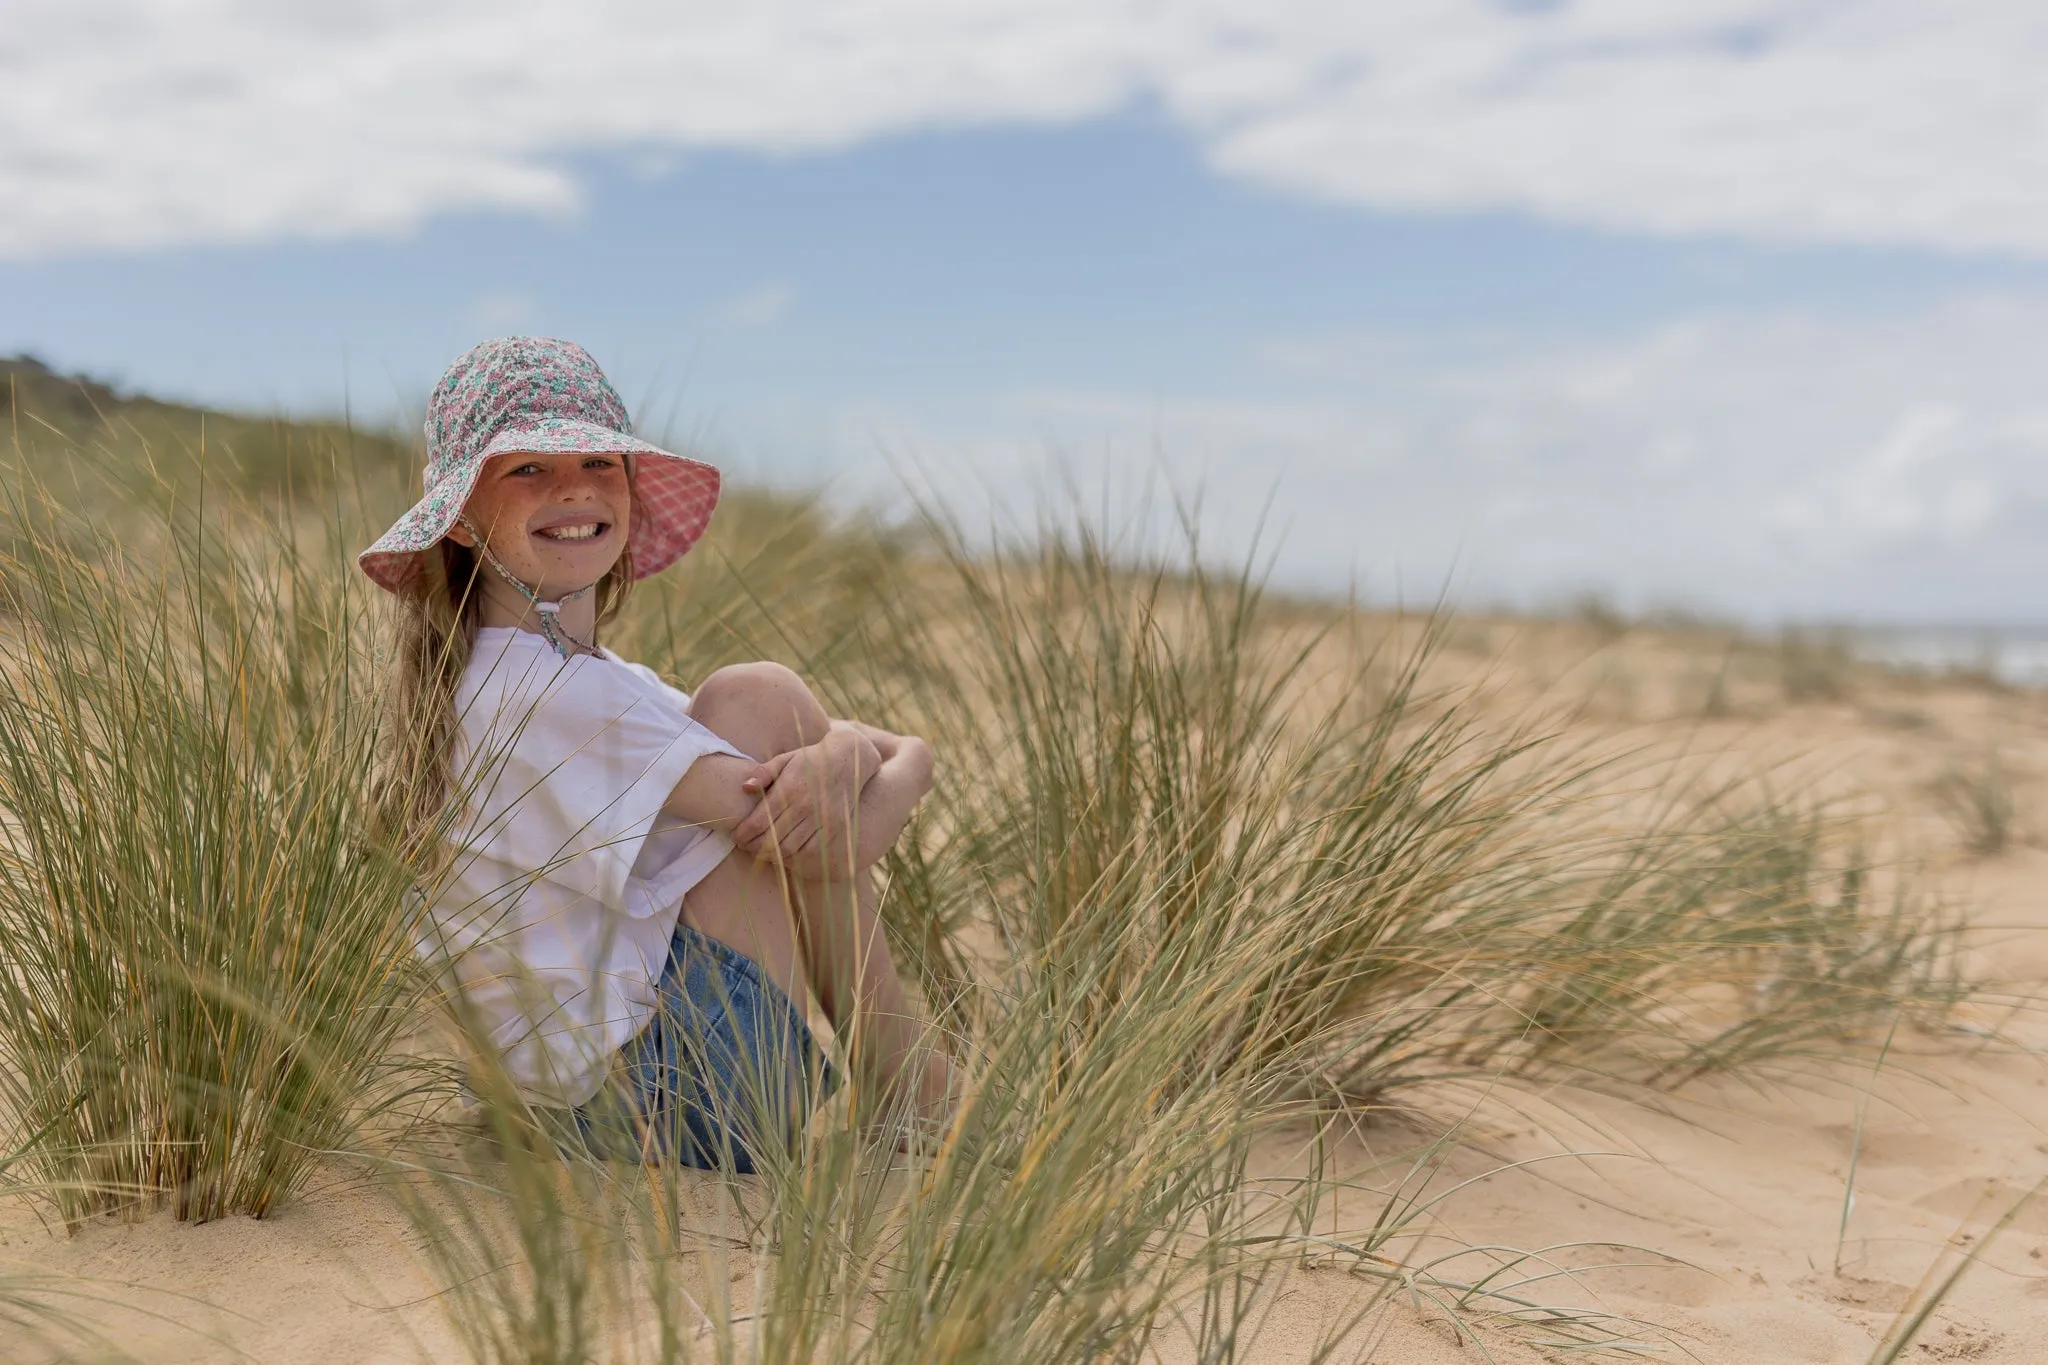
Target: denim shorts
(725,1073)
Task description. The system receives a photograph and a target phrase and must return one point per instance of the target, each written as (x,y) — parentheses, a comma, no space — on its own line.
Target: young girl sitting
(638,884)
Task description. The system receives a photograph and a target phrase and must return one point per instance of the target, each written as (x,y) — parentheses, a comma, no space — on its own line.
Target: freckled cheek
(618,495)
(501,508)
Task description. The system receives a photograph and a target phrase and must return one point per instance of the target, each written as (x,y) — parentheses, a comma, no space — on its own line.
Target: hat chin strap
(549,612)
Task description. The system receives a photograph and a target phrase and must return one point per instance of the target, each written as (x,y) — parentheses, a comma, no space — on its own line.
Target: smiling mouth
(588,530)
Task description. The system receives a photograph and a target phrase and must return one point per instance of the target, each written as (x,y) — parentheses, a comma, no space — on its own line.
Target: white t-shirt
(567,876)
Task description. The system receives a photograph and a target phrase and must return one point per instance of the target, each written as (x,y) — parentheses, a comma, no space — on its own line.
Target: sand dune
(1728,1194)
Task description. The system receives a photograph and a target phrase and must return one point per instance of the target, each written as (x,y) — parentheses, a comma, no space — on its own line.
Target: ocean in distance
(2017,655)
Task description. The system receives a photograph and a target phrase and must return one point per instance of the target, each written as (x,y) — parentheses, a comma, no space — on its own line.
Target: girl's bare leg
(862,992)
(789,925)
(744,905)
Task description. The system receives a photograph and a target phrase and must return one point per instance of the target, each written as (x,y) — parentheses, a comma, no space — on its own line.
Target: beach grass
(1201,868)
(207,962)
(1145,754)
(1979,798)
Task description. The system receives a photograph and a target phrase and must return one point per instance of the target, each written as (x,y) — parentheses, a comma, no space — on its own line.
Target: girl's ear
(461,536)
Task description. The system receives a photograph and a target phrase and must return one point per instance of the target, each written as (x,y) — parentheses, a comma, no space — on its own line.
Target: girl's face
(558,522)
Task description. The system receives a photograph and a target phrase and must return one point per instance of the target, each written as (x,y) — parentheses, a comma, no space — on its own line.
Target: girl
(637,883)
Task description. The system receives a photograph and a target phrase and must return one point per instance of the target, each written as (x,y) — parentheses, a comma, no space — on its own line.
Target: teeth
(571,532)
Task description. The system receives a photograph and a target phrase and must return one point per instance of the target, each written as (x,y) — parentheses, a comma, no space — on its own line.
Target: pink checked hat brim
(676,496)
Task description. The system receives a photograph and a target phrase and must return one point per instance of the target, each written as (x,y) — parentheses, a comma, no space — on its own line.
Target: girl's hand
(808,799)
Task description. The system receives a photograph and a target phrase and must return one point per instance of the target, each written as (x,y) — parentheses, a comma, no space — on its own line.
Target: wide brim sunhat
(547,397)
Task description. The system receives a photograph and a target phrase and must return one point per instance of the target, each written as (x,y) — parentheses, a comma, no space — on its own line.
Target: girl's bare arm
(819,840)
(718,792)
(890,796)
(812,837)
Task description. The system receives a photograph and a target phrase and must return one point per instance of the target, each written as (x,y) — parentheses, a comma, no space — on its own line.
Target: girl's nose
(575,483)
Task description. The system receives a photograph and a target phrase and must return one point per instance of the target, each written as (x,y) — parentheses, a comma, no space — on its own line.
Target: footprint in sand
(1850,1291)
(1956,1341)
(1868,1303)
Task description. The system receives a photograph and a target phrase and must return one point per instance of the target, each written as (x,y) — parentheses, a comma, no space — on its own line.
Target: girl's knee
(762,707)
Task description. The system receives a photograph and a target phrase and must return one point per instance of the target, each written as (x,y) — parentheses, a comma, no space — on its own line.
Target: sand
(1728,1195)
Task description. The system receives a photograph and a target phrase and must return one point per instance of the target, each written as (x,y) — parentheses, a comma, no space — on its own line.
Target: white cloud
(136,123)
(1759,466)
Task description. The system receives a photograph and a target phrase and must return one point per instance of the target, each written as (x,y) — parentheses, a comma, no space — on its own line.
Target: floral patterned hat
(549,397)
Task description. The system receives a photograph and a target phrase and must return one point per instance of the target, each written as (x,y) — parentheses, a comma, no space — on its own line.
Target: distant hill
(42,410)
(64,399)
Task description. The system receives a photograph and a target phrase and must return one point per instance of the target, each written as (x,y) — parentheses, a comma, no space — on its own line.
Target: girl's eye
(600,462)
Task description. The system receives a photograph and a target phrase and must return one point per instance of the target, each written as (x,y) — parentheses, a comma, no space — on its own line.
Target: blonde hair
(438,613)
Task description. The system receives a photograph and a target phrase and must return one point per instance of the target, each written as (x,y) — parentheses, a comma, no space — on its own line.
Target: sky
(1731,306)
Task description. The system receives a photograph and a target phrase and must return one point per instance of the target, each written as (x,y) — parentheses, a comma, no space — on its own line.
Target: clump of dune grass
(1093,1198)
(207,962)
(1815,665)
(1140,757)
(1059,1217)
(1743,930)
(1980,801)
